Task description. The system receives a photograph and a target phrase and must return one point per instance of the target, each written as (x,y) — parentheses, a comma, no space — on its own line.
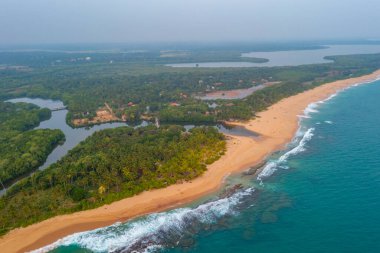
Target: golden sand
(277,125)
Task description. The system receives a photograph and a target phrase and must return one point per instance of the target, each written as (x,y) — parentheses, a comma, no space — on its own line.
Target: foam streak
(155,230)
(272,166)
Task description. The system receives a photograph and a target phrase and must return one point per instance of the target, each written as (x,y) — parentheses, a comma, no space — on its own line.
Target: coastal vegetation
(110,165)
(142,90)
(74,55)
(117,163)
(23,150)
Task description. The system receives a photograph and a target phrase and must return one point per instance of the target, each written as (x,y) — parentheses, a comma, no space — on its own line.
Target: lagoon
(287,58)
(58,121)
(75,135)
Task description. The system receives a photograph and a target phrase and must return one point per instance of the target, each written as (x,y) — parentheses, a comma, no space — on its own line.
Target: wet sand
(277,126)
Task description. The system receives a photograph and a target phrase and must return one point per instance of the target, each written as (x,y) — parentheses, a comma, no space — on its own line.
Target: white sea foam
(273,165)
(330,97)
(311,108)
(121,236)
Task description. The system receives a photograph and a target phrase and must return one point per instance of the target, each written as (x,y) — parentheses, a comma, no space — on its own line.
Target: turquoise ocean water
(322,194)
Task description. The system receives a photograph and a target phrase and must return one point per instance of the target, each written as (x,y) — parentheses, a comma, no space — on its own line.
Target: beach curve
(277,126)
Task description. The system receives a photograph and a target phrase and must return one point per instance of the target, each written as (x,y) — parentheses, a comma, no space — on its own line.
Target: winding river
(58,121)
(75,135)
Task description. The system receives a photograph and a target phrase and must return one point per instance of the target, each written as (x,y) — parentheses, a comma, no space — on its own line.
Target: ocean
(321,194)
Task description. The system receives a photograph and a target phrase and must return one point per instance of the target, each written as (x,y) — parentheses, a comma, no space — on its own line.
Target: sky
(100,21)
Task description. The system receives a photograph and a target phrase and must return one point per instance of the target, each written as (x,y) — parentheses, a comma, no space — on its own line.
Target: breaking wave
(167,229)
(272,166)
(157,230)
(311,108)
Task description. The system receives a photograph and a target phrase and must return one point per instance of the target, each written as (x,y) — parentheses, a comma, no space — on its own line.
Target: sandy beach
(277,126)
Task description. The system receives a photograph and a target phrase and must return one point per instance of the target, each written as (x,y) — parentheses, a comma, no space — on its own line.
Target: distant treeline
(139,91)
(78,55)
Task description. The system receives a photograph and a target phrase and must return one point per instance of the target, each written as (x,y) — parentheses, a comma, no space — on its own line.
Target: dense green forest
(157,53)
(110,165)
(23,150)
(143,89)
(117,163)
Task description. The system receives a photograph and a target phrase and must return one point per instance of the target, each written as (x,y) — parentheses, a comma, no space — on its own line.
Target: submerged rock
(252,170)
(228,192)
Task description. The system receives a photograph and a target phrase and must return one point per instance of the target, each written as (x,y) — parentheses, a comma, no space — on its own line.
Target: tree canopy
(110,165)
(23,150)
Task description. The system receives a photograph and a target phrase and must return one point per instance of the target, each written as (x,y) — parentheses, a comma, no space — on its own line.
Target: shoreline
(277,126)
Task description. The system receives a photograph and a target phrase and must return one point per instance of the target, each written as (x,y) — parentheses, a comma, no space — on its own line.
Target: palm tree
(101,191)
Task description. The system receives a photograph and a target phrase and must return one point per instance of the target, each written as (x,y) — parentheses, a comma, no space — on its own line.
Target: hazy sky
(55,21)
